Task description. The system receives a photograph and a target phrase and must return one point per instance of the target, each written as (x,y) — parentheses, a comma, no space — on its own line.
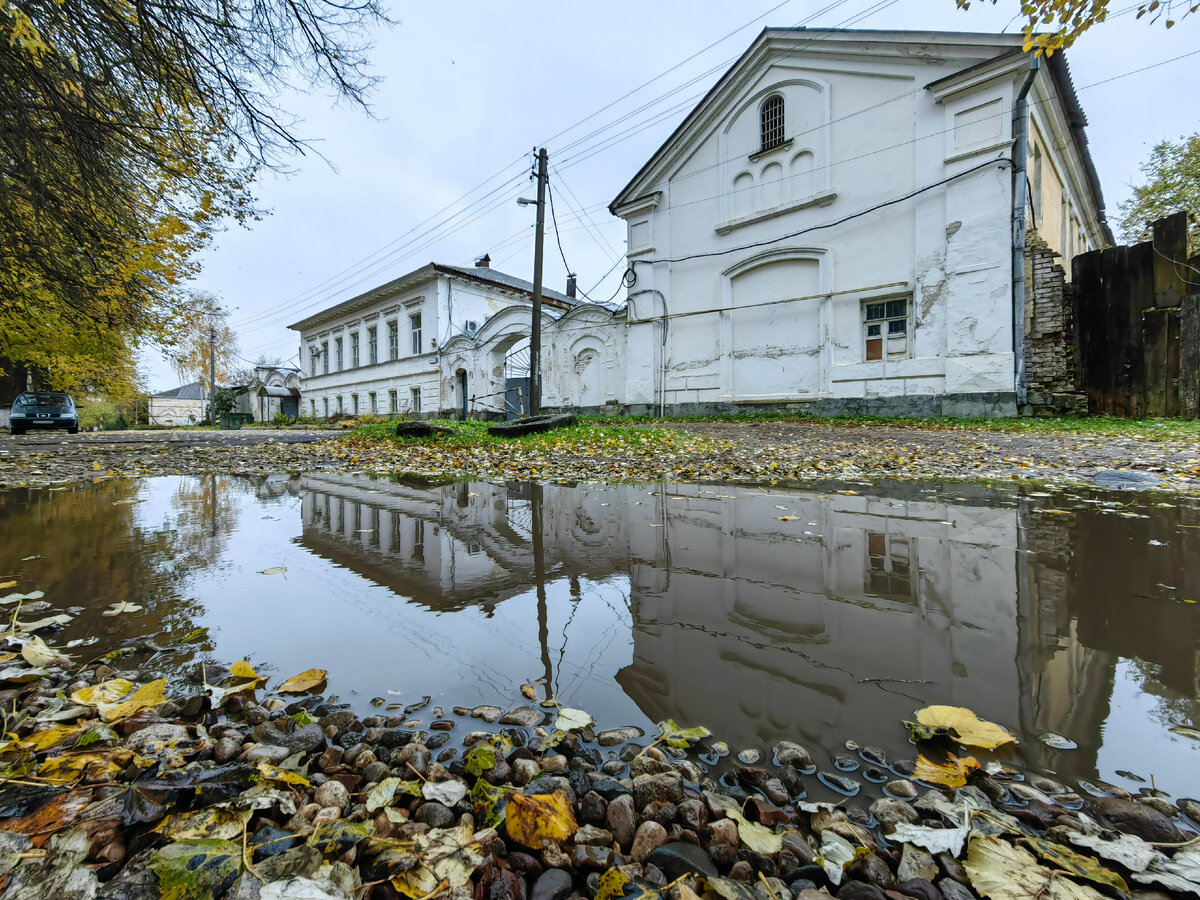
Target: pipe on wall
(1020,183)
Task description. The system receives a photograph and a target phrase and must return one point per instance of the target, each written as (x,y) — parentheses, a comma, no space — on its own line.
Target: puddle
(818,616)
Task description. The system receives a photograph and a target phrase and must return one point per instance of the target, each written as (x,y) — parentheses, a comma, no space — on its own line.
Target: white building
(381,352)
(184,405)
(274,390)
(831,229)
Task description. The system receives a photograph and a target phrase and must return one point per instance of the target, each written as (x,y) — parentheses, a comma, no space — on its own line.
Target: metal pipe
(1020,180)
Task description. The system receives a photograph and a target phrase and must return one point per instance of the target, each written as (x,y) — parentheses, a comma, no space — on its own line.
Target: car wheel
(74,430)
(16,431)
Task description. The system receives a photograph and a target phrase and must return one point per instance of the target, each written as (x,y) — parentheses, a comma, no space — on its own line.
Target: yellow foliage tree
(1056,24)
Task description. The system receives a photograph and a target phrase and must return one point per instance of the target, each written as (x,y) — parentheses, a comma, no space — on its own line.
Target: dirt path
(682,451)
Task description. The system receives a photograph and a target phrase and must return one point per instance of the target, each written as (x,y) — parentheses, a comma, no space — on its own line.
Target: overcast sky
(470,87)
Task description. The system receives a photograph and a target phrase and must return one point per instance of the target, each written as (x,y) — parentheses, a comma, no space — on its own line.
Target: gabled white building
(380,352)
(832,227)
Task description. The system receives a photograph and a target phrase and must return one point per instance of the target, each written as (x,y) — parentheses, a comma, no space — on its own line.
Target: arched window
(771,119)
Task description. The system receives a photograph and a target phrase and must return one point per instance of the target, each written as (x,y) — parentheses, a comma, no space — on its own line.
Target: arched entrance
(464,397)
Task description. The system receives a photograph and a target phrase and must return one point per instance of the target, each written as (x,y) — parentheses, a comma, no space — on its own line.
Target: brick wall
(1050,363)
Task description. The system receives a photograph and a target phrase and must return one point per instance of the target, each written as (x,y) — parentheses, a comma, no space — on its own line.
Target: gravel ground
(740,451)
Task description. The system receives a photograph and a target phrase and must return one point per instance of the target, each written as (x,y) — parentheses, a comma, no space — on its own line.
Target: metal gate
(516,381)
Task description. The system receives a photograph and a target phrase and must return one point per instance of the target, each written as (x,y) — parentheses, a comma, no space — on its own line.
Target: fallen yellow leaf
(952,773)
(972,730)
(146,696)
(532,819)
(305,681)
(7,584)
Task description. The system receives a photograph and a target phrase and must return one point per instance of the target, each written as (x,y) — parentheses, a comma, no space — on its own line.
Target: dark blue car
(43,409)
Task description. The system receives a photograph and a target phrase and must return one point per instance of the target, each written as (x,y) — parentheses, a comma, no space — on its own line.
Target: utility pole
(212,370)
(535,333)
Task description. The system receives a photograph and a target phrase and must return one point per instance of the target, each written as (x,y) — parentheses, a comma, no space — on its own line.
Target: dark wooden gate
(1136,326)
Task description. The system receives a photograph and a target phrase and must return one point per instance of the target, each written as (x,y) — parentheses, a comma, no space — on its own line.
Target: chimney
(484,262)
(571,286)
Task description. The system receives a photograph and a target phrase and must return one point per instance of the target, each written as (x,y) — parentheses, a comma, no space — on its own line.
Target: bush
(224,401)
(282,419)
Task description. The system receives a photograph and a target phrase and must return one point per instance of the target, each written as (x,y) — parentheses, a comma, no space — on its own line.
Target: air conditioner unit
(472,326)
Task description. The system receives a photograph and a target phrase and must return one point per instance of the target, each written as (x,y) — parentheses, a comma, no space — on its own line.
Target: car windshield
(43,399)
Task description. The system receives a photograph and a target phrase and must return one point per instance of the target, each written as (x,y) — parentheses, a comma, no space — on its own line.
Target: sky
(432,171)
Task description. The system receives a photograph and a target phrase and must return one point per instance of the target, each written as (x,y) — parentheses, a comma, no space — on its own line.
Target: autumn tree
(1055,24)
(206,337)
(128,134)
(1172,184)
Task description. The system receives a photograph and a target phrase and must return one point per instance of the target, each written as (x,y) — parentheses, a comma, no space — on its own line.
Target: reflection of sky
(1135,730)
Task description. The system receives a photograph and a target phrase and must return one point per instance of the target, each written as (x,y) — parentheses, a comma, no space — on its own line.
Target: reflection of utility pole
(212,503)
(539,577)
(212,370)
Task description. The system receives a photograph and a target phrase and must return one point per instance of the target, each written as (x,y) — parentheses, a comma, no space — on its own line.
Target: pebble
(434,814)
(916,863)
(226,748)
(590,834)
(666,787)
(891,812)
(552,884)
(614,736)
(902,788)
(524,716)
(677,858)
(649,837)
(788,753)
(622,820)
(750,756)
(332,793)
(266,753)
(487,713)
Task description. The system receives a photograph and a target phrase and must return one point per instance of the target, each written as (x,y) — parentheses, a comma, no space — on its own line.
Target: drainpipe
(1020,163)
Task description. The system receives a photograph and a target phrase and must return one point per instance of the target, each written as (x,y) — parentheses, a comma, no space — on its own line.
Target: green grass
(590,434)
(1150,429)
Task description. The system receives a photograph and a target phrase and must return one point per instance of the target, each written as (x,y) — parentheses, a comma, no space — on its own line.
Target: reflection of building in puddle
(769,614)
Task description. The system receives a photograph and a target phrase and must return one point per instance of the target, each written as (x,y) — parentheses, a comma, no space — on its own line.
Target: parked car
(43,409)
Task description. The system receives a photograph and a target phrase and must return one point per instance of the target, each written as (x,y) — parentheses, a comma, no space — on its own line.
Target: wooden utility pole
(212,371)
(535,333)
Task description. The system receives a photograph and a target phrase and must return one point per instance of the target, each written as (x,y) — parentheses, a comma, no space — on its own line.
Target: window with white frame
(393,402)
(354,404)
(371,402)
(354,350)
(771,122)
(337,349)
(885,329)
(372,345)
(312,362)
(325,404)
(324,357)
(312,408)
(340,409)
(415,394)
(393,340)
(414,325)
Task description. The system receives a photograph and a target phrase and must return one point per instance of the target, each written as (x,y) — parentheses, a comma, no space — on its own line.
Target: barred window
(771,118)
(885,329)
(372,345)
(393,340)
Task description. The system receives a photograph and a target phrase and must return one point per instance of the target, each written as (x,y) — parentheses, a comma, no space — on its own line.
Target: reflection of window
(473,548)
(771,119)
(889,566)
(885,329)
(419,540)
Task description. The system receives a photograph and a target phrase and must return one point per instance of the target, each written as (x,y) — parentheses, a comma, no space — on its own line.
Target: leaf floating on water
(573,720)
(972,730)
(673,735)
(788,518)
(37,653)
(918,732)
(529,692)
(105,693)
(952,773)
(196,869)
(532,819)
(308,680)
(4,585)
(274,570)
(1057,741)
(123,606)
(1182,731)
